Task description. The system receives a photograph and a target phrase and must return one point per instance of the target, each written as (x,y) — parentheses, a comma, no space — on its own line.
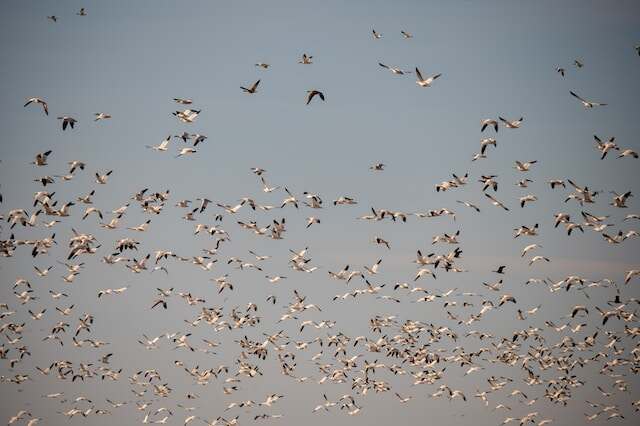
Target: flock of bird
(538,364)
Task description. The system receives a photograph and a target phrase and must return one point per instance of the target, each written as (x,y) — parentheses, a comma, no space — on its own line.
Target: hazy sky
(130,59)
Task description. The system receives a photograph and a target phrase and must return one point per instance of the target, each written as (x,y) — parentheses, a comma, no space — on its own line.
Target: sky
(497,58)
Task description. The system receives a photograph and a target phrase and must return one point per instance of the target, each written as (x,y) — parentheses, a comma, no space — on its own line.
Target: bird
(500,269)
(163,146)
(422,82)
(251,90)
(628,153)
(468,204)
(187,115)
(67,121)
(186,151)
(488,122)
(394,70)
(101,116)
(102,178)
(311,220)
(41,158)
(39,101)
(585,103)
(515,124)
(495,202)
(306,60)
(312,93)
(376,35)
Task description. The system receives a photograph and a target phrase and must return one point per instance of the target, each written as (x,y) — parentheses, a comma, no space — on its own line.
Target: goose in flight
(306,59)
(578,63)
(251,90)
(488,122)
(524,167)
(52,18)
(556,182)
(183,101)
(535,259)
(394,70)
(311,220)
(605,147)
(587,104)
(39,101)
(42,272)
(377,167)
(373,270)
(526,230)
(527,199)
(266,188)
(312,93)
(631,274)
(67,121)
(82,12)
(406,35)
(380,241)
(186,151)
(524,183)
(468,204)
(291,199)
(197,138)
(560,71)
(515,124)
(41,158)
(101,116)
(102,179)
(262,65)
(422,82)
(422,272)
(163,146)
(495,202)
(187,116)
(620,200)
(376,35)
(485,142)
(628,153)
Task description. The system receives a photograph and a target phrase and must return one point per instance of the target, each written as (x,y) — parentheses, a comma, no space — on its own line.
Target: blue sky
(496,58)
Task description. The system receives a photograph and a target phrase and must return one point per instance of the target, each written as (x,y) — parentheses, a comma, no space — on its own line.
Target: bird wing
(576,96)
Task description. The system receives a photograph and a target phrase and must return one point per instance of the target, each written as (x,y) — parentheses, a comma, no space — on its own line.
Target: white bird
(511,124)
(488,122)
(587,104)
(186,151)
(101,116)
(102,179)
(39,101)
(422,82)
(394,70)
(163,146)
(495,202)
(187,116)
